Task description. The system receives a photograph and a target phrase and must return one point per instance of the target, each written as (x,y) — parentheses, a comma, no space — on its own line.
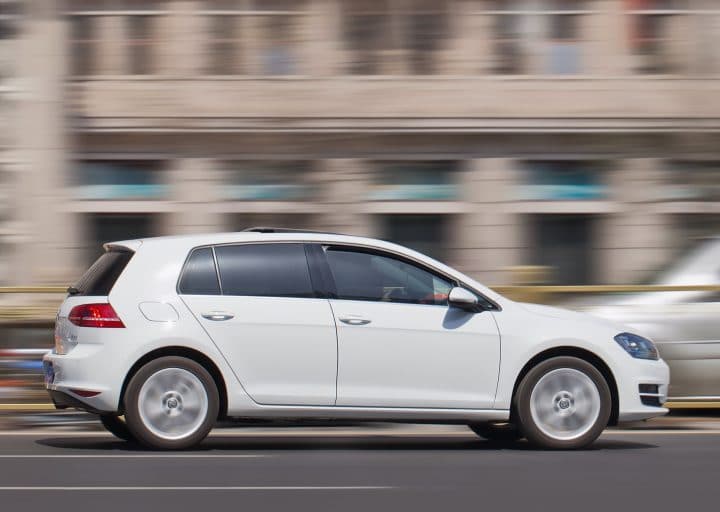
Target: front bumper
(631,406)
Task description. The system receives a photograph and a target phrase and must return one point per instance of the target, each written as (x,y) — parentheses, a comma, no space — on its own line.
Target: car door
(260,309)
(399,343)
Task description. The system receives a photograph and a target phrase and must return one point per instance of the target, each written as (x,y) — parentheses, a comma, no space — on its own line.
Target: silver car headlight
(637,346)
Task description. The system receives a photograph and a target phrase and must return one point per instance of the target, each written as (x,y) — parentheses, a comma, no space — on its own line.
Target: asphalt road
(413,468)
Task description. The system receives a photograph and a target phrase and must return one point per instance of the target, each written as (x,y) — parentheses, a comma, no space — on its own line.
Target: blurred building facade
(579,134)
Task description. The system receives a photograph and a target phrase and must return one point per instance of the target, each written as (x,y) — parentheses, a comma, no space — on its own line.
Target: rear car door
(258,304)
(399,343)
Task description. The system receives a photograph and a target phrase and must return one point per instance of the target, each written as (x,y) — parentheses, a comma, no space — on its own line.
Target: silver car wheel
(565,404)
(173,403)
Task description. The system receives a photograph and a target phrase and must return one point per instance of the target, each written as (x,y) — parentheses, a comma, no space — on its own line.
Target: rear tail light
(95,315)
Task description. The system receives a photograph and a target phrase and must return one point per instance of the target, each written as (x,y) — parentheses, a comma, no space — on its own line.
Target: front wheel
(563,403)
(171,403)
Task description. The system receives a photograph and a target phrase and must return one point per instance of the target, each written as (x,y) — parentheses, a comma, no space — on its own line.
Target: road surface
(354,468)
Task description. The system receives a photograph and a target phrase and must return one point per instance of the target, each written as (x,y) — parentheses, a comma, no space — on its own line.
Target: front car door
(264,316)
(399,343)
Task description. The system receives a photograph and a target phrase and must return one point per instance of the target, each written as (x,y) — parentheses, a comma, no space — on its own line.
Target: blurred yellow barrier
(525,292)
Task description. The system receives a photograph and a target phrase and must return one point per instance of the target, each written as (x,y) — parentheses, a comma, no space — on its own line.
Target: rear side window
(264,270)
(199,276)
(101,276)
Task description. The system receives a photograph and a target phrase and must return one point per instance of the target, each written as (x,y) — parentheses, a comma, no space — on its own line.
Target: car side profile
(162,337)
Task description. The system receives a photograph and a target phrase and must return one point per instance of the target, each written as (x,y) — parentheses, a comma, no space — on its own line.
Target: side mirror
(463,299)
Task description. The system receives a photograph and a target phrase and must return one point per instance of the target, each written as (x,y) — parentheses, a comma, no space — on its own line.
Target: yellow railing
(45,311)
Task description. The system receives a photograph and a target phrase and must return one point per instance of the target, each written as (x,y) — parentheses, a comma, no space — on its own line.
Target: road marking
(197,488)
(134,456)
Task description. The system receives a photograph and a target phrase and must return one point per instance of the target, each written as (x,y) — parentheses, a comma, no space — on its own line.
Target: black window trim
(401,257)
(320,269)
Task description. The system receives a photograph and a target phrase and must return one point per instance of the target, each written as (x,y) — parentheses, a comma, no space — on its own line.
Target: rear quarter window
(102,275)
(199,277)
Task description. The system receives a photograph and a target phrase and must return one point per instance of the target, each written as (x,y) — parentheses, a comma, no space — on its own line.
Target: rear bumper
(85,368)
(63,400)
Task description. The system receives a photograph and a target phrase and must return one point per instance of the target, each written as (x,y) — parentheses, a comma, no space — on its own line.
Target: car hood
(566,314)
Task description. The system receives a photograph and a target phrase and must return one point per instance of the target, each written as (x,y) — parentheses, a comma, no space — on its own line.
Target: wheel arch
(579,353)
(188,353)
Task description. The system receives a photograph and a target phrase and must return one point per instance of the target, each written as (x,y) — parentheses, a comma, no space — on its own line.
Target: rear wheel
(171,403)
(563,403)
(116,426)
(503,432)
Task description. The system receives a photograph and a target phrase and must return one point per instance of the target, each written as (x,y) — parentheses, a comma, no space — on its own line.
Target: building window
(110,227)
(426,33)
(693,181)
(224,56)
(141,44)
(563,180)
(384,38)
(364,27)
(119,180)
(428,234)
(266,181)
(563,243)
(82,45)
(407,181)
(651,35)
(538,37)
(278,24)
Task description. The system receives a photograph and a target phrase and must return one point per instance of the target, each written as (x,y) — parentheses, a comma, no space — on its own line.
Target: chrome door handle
(218,316)
(354,320)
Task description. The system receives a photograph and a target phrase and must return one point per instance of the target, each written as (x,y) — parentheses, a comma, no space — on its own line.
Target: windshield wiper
(72,290)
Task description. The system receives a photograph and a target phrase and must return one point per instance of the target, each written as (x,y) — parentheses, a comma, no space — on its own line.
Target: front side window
(264,270)
(370,276)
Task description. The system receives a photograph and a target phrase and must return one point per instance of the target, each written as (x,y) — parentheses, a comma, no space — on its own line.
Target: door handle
(354,320)
(218,316)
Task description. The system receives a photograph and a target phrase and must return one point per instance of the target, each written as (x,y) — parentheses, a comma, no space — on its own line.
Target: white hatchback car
(175,333)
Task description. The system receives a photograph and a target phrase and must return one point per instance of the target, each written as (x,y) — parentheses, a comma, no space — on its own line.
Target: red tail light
(95,315)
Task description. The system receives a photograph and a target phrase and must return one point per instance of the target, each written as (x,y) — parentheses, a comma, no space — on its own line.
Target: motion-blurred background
(575,137)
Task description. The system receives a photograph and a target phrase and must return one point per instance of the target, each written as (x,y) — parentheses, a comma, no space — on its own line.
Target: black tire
(134,417)
(116,426)
(535,434)
(500,432)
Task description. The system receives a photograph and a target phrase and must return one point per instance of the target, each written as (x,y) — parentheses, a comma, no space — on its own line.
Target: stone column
(111,55)
(605,35)
(489,236)
(320,39)
(636,238)
(182,39)
(345,189)
(251,44)
(195,183)
(468,42)
(50,251)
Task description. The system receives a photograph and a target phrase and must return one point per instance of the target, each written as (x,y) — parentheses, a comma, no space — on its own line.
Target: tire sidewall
(522,404)
(132,412)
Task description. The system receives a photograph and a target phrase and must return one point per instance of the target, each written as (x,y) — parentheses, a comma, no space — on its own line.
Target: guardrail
(45,313)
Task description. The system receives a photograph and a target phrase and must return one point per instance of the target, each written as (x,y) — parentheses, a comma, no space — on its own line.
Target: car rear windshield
(101,276)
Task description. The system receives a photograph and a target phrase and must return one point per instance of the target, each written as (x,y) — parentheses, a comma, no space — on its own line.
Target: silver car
(685,325)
